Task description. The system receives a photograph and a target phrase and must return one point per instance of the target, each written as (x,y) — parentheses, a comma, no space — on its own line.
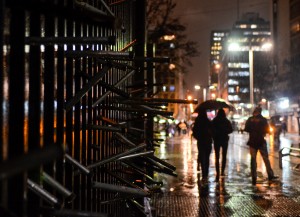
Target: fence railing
(69,75)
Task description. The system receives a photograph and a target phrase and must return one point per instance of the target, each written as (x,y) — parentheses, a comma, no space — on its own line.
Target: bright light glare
(218,66)
(172,66)
(169,37)
(284,104)
(234,47)
(197,87)
(162,121)
(266,46)
(191,108)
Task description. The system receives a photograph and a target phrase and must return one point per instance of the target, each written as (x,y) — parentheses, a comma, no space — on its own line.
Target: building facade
(245,64)
(286,36)
(216,46)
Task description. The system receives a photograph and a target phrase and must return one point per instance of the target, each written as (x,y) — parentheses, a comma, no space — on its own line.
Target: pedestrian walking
(283,127)
(202,131)
(221,129)
(257,126)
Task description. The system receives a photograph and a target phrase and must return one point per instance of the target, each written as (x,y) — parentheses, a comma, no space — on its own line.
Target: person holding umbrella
(214,104)
(222,127)
(202,132)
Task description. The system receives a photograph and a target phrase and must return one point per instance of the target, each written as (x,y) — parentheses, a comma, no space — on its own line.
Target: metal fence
(73,141)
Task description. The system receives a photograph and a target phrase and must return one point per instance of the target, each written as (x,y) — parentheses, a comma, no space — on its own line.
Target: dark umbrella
(213,105)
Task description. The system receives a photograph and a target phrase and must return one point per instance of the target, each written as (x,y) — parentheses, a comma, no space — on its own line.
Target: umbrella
(214,104)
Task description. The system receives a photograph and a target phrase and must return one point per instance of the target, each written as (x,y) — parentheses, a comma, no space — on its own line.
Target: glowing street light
(218,66)
(168,37)
(197,91)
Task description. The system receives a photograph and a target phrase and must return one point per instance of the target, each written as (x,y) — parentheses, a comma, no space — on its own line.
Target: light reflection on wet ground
(234,195)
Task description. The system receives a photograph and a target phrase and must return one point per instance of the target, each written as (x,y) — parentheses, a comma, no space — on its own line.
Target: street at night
(100,100)
(234,194)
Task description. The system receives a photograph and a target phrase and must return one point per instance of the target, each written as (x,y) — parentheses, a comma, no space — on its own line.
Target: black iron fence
(77,109)
(63,63)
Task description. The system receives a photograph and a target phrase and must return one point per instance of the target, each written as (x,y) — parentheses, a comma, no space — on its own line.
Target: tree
(160,22)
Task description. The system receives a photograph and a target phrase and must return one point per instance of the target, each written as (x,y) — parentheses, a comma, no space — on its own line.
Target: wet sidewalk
(233,195)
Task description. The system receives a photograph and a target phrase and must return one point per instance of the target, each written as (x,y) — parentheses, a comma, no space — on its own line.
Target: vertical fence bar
(83,193)
(1,79)
(60,81)
(95,132)
(69,95)
(89,196)
(34,116)
(16,184)
(140,35)
(77,113)
(150,74)
(60,96)
(48,80)
(3,110)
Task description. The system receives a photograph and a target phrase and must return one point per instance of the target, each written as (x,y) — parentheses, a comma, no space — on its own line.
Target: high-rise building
(246,67)
(216,47)
(286,36)
(295,47)
(281,44)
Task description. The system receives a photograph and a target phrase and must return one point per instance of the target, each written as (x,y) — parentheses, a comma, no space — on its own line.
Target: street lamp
(197,90)
(197,87)
(202,97)
(251,48)
(251,76)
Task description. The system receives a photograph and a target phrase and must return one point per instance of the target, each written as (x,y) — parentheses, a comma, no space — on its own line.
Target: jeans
(264,153)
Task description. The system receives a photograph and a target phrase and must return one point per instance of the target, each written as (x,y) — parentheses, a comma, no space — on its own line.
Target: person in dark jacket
(202,131)
(222,127)
(257,126)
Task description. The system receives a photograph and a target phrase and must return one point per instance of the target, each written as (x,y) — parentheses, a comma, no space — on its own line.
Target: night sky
(201,17)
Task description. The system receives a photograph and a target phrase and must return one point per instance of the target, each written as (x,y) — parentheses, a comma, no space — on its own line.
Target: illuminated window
(244,90)
(234,98)
(217,39)
(295,27)
(238,65)
(233,82)
(238,74)
(243,74)
(220,34)
(230,89)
